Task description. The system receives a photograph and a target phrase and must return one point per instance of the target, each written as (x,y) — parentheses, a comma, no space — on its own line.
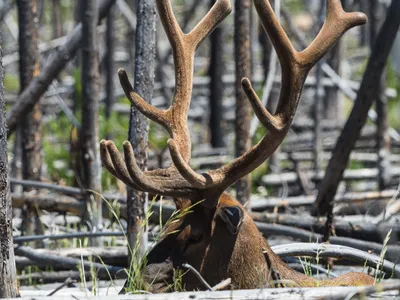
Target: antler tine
(283,47)
(106,158)
(197,180)
(336,24)
(135,172)
(270,122)
(129,172)
(114,163)
(218,12)
(157,115)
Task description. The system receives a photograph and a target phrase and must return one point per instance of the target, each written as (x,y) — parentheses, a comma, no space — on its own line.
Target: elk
(219,238)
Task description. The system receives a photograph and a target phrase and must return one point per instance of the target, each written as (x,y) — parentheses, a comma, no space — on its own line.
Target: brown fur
(204,241)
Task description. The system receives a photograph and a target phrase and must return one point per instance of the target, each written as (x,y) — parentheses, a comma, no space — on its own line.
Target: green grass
(379,273)
(11,83)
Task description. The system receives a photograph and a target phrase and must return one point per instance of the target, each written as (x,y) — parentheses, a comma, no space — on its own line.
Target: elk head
(218,237)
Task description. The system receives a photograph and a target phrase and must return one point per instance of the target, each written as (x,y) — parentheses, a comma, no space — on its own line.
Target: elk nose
(233,217)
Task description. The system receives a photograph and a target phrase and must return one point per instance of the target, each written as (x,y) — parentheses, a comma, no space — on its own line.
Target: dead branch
(351,226)
(337,251)
(66,262)
(267,230)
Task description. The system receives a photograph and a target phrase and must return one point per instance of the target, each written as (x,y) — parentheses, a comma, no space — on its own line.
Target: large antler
(174,120)
(180,180)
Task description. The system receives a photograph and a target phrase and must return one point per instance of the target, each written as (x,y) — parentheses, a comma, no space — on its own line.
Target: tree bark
(110,74)
(216,73)
(8,276)
(318,96)
(31,125)
(331,105)
(138,125)
(368,92)
(57,19)
(364,32)
(266,49)
(243,108)
(90,152)
(377,12)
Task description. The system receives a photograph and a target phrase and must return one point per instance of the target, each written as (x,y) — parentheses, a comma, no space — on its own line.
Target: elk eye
(195,238)
(233,217)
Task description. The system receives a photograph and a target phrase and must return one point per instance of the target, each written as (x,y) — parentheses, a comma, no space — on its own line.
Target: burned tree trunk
(8,276)
(243,108)
(56,19)
(110,38)
(91,167)
(318,96)
(331,105)
(377,12)
(31,125)
(216,72)
(266,47)
(368,92)
(138,124)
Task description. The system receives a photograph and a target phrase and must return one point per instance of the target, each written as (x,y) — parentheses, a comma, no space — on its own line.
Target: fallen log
(337,251)
(59,276)
(360,227)
(67,262)
(62,204)
(260,204)
(325,293)
(392,252)
(115,256)
(349,174)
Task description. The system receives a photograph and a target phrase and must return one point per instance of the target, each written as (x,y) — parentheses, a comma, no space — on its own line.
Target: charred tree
(138,124)
(56,19)
(364,30)
(377,12)
(243,108)
(31,125)
(318,96)
(367,94)
(90,156)
(110,38)
(331,103)
(216,73)
(8,275)
(266,47)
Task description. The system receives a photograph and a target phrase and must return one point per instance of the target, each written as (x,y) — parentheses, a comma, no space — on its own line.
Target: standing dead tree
(109,62)
(91,166)
(216,72)
(8,276)
(31,139)
(367,94)
(377,12)
(243,108)
(138,124)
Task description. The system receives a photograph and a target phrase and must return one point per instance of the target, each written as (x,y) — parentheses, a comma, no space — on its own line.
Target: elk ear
(232,216)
